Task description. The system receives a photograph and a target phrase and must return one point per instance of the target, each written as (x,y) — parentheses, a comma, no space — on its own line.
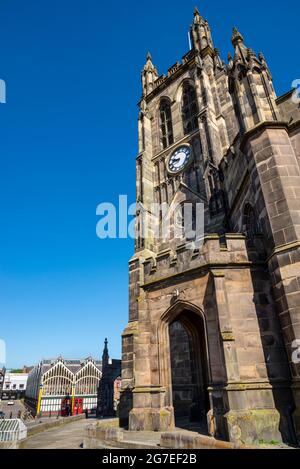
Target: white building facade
(14,384)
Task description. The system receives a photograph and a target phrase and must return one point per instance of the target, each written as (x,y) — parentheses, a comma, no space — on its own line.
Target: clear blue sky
(69,141)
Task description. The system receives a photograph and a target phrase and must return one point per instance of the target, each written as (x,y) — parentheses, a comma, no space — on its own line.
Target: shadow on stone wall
(273,347)
(124,408)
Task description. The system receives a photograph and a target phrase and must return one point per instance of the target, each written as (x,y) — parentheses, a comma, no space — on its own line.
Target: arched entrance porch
(185,363)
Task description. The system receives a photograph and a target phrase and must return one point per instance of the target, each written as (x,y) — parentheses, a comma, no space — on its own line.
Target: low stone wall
(107,433)
(177,440)
(103,430)
(95,437)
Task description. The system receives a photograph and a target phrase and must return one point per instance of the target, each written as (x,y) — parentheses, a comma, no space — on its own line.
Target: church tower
(214,312)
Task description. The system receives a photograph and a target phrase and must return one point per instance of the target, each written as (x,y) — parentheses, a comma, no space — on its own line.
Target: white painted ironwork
(12,430)
(87,379)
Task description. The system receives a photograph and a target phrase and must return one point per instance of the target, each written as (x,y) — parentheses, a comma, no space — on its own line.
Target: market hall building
(70,387)
(63,387)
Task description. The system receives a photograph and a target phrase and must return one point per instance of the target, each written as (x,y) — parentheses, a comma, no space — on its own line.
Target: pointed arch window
(216,201)
(166,126)
(184,219)
(189,108)
(250,224)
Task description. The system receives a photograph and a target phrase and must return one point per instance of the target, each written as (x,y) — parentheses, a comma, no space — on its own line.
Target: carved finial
(263,61)
(262,58)
(230,61)
(149,75)
(217,60)
(236,36)
(250,54)
(105,355)
(149,65)
(175,295)
(197,16)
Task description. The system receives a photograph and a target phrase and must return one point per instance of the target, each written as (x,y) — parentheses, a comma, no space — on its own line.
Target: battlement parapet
(216,251)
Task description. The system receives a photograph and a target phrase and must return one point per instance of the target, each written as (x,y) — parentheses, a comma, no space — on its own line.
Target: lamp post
(38,409)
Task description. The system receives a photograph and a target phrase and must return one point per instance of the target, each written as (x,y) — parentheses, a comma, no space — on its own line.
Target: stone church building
(108,392)
(209,343)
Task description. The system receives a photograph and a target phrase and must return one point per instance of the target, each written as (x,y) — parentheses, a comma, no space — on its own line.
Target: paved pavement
(14,409)
(69,436)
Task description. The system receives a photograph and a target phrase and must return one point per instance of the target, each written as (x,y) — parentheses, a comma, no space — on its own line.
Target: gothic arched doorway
(189,370)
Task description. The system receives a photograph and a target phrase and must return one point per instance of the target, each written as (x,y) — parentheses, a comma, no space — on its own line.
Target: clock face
(179,159)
